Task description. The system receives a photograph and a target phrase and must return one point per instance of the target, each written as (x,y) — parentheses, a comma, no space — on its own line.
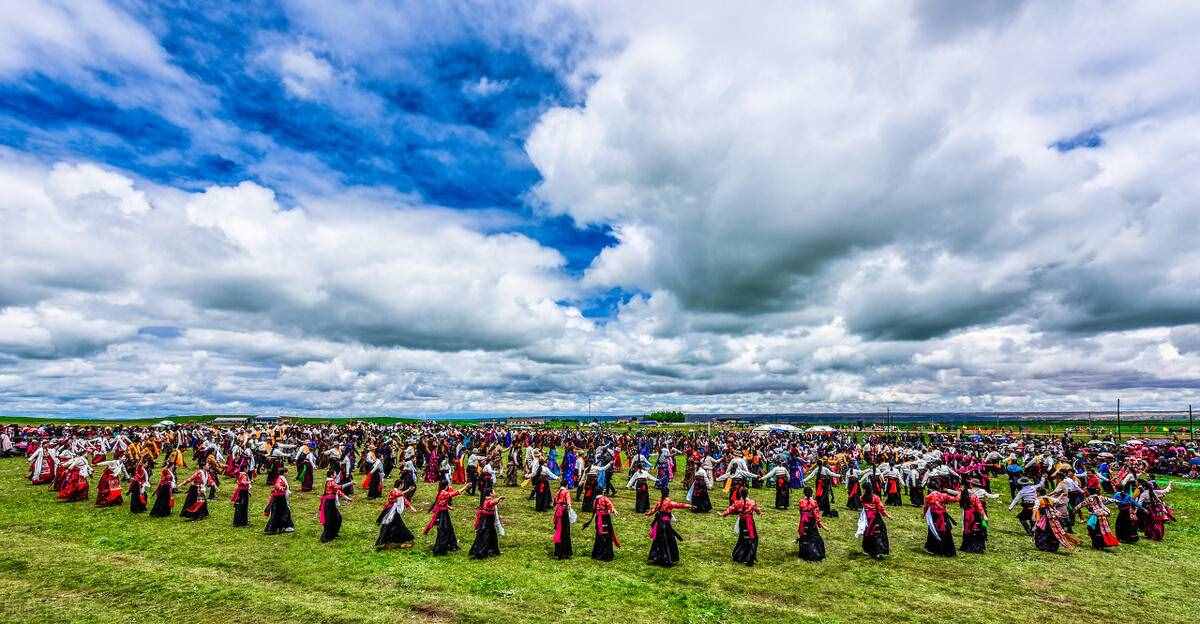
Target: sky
(492,207)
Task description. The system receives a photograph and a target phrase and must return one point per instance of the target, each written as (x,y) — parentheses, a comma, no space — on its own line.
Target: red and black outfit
(195,506)
(328,513)
(606,533)
(108,491)
(746,549)
(562,523)
(439,516)
(137,489)
(939,534)
(164,495)
(392,530)
(812,545)
(872,528)
(279,510)
(487,536)
(975,522)
(241,500)
(664,539)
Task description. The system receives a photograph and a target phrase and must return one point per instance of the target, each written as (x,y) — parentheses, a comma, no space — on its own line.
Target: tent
(775,428)
(165,423)
(819,429)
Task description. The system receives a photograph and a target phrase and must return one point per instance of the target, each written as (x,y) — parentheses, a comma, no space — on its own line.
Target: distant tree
(667,416)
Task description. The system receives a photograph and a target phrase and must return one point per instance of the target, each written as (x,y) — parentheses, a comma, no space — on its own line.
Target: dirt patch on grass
(433,613)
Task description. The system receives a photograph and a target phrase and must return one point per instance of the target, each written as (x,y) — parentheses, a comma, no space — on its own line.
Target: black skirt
(701,503)
(746,549)
(446,541)
(487,542)
(162,501)
(974,541)
(1127,530)
(783,496)
(641,501)
(1045,540)
(333,520)
(812,545)
(940,543)
(193,496)
(241,509)
(664,549)
(137,502)
(279,516)
(875,540)
(562,550)
(602,548)
(393,533)
(375,485)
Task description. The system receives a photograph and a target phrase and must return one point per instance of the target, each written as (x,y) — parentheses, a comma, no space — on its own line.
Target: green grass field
(75,563)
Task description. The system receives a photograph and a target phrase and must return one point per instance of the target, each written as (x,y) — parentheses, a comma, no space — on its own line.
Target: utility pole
(1118,419)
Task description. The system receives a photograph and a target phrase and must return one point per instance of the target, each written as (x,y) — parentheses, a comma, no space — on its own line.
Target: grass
(76,563)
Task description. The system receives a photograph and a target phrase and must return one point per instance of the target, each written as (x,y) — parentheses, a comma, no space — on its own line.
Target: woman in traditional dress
(812,546)
(975,519)
(664,539)
(1127,512)
(195,505)
(699,497)
(939,527)
(75,484)
(164,494)
(778,475)
(279,509)
(871,527)
(1154,513)
(138,485)
(241,500)
(1097,522)
(1048,532)
(392,530)
(540,478)
(853,489)
(746,549)
(824,488)
(439,516)
(329,514)
(606,533)
(639,482)
(108,490)
(373,481)
(562,523)
(487,529)
(588,489)
(306,463)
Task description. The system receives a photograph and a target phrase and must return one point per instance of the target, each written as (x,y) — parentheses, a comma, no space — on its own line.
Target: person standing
(439,515)
(606,533)
(279,509)
(241,500)
(664,539)
(329,514)
(746,549)
(812,546)
(392,530)
(487,529)
(563,517)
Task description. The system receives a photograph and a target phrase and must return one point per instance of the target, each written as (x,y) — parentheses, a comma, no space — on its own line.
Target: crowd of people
(1054,484)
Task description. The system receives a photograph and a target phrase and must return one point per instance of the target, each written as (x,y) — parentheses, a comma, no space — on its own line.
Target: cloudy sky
(419,207)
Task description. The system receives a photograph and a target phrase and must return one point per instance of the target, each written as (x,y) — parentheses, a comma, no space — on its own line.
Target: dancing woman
(606,533)
(137,489)
(241,500)
(563,517)
(871,527)
(640,483)
(664,539)
(439,516)
(939,538)
(812,546)
(279,509)
(1154,513)
(783,489)
(328,513)
(487,529)
(1048,532)
(108,491)
(746,549)
(164,495)
(392,530)
(195,505)
(975,519)
(1097,522)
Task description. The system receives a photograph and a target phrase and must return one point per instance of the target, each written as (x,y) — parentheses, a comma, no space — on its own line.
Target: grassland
(75,563)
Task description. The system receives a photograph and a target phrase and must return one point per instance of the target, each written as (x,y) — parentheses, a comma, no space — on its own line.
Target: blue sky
(393,206)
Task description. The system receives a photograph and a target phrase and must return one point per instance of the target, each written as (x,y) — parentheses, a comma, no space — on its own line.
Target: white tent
(819,429)
(165,423)
(772,428)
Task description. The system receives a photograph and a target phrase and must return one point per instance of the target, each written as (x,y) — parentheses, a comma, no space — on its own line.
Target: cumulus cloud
(814,208)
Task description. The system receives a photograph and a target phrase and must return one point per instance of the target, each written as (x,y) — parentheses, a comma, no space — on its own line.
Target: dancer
(975,519)
(564,515)
(279,509)
(241,500)
(939,538)
(812,546)
(1097,523)
(439,515)
(639,482)
(108,491)
(871,527)
(1048,532)
(195,505)
(664,539)
(164,495)
(746,549)
(329,514)
(606,533)
(783,489)
(138,484)
(1154,513)
(392,530)
(487,529)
